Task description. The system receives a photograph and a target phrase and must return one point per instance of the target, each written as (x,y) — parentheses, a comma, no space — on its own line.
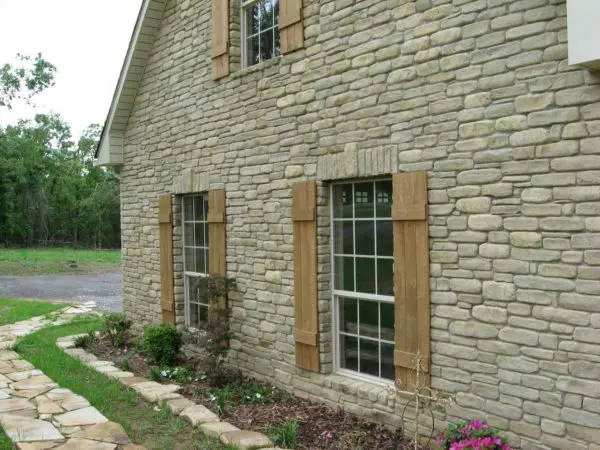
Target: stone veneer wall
(477,92)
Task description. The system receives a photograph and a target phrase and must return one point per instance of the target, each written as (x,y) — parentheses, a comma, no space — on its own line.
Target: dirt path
(104,288)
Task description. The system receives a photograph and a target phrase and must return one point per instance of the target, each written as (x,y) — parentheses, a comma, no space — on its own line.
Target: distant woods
(50,191)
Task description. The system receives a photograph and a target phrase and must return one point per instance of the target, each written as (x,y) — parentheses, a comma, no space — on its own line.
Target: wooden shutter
(166,258)
(291,27)
(411,273)
(304,203)
(220,38)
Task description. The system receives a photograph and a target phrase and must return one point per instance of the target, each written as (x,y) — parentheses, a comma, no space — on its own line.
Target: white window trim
(187,273)
(244,4)
(335,293)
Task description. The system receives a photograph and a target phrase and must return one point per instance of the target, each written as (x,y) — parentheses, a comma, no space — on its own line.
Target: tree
(28,77)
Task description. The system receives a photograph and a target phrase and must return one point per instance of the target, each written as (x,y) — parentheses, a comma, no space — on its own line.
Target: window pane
(188,234)
(348,352)
(365,275)
(199,208)
(369,357)
(344,237)
(252,20)
(266,14)
(387,321)
(383,198)
(276,11)
(190,263)
(276,31)
(385,238)
(344,273)
(200,260)
(385,277)
(205,201)
(252,55)
(266,45)
(387,361)
(199,229)
(194,319)
(348,315)
(342,201)
(188,208)
(363,200)
(369,319)
(205,226)
(365,237)
(203,313)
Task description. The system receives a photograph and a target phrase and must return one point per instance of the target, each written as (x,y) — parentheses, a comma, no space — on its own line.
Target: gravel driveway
(103,288)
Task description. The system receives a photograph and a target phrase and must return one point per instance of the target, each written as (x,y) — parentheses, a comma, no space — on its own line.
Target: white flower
(156,408)
(258,395)
(212,398)
(164,373)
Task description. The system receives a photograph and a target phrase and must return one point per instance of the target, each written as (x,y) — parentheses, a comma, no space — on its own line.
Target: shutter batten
(305,275)
(220,38)
(165,219)
(291,27)
(411,273)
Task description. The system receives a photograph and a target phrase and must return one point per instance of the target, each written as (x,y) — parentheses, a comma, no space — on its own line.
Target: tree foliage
(50,191)
(28,77)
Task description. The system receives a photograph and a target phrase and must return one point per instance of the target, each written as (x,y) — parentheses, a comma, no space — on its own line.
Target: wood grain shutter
(165,220)
(220,38)
(217,247)
(304,203)
(291,27)
(411,273)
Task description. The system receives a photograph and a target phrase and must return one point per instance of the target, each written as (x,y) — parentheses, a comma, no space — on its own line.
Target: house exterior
(383,179)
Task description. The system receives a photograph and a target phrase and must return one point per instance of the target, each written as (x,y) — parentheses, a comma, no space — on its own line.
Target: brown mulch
(319,426)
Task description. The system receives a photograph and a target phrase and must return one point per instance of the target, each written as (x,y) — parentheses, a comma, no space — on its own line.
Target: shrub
(181,374)
(284,435)
(114,327)
(214,334)
(126,364)
(156,374)
(162,343)
(85,341)
(471,435)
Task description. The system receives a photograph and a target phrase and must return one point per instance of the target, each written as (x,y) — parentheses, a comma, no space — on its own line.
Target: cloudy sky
(85,39)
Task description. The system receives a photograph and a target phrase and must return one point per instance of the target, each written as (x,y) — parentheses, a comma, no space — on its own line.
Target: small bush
(114,327)
(284,435)
(85,341)
(126,364)
(155,374)
(162,343)
(474,434)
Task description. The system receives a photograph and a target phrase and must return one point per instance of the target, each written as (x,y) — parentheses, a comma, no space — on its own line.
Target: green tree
(28,77)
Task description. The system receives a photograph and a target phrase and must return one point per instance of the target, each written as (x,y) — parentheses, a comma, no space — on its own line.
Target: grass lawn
(12,311)
(152,429)
(31,261)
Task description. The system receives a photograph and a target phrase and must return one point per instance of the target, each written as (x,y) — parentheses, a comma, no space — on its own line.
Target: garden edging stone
(165,395)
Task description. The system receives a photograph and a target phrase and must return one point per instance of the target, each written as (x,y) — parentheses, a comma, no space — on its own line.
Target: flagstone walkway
(36,413)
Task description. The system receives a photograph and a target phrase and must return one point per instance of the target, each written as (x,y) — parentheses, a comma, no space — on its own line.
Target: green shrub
(155,374)
(162,343)
(85,341)
(284,435)
(114,327)
(126,364)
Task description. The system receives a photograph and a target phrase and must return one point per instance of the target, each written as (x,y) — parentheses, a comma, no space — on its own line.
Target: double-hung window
(363,284)
(195,256)
(260,31)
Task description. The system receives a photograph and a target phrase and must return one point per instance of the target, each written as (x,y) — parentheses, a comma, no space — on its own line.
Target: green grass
(30,261)
(12,311)
(153,429)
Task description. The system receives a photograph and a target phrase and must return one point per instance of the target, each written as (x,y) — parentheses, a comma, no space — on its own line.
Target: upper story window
(260,31)
(195,256)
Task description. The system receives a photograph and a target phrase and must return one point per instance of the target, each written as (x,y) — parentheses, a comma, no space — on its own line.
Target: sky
(85,39)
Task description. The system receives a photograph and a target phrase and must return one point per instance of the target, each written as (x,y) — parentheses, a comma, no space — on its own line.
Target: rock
(216,429)
(105,432)
(37,445)
(18,376)
(245,439)
(178,405)
(490,314)
(73,402)
(196,414)
(30,393)
(133,447)
(23,429)
(106,369)
(120,374)
(35,382)
(15,404)
(151,390)
(21,365)
(85,444)
(133,381)
(9,355)
(47,406)
(85,416)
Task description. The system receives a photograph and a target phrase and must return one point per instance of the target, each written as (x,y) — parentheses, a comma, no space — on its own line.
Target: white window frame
(337,293)
(186,273)
(245,4)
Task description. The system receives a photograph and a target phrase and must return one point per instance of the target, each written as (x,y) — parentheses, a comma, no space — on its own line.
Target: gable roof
(110,147)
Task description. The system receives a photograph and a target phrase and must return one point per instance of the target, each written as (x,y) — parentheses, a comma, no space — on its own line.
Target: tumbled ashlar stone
(246,439)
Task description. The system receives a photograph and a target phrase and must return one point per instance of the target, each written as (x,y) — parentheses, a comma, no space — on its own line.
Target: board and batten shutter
(411,273)
(220,39)
(165,220)
(217,246)
(291,27)
(304,203)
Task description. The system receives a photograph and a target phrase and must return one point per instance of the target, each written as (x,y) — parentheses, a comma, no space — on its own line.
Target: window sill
(257,67)
(384,384)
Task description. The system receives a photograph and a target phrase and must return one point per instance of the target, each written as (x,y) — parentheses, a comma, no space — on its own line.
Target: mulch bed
(319,427)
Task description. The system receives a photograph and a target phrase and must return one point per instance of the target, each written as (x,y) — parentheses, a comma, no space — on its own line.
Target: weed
(126,364)
(284,435)
(114,327)
(85,341)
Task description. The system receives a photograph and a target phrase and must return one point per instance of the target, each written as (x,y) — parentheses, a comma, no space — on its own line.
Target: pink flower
(329,435)
(476,425)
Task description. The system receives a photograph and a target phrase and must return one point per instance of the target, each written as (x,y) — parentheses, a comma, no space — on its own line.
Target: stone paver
(105,432)
(24,429)
(216,429)
(84,416)
(196,414)
(246,439)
